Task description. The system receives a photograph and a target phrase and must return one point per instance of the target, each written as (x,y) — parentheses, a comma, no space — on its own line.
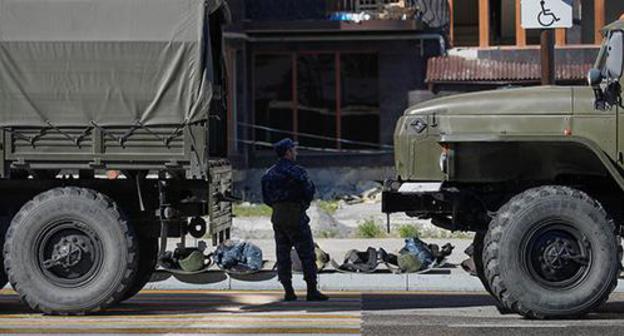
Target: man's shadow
(379,302)
(384,302)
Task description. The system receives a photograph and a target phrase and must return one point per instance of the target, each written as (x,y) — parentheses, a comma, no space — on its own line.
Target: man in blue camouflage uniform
(287,189)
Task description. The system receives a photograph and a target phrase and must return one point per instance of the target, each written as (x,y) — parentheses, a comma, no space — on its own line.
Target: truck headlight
(444,159)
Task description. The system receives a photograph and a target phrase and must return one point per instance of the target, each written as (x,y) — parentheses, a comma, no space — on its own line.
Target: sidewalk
(450,279)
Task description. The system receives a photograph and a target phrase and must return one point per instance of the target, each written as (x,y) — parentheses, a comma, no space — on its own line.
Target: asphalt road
(245,313)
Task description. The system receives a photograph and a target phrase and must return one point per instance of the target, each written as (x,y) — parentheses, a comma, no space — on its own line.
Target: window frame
(294,85)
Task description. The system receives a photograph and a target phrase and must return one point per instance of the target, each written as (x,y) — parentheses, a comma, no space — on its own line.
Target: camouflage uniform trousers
(292,229)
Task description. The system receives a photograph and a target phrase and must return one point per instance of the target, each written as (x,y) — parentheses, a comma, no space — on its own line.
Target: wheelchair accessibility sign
(546,14)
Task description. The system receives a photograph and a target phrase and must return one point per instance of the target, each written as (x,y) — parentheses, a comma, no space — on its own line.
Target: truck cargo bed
(156,147)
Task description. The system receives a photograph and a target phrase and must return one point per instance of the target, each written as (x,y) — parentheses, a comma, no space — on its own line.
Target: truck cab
(536,174)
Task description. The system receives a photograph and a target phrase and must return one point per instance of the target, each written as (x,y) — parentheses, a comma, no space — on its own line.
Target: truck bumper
(419,199)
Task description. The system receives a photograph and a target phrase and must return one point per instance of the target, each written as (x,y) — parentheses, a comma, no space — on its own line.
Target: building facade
(333,82)
(492,49)
(336,74)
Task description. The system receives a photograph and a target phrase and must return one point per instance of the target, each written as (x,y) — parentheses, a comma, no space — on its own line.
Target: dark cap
(282,146)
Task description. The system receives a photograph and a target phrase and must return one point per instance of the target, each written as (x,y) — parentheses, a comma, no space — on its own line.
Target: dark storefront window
(466,23)
(330,96)
(273,90)
(316,96)
(360,98)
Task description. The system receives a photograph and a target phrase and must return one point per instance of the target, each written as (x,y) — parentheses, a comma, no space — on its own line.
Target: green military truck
(537,173)
(113,138)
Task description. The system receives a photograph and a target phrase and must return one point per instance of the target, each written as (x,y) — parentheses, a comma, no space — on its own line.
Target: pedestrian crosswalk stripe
(178,317)
(225,313)
(222,322)
(247,331)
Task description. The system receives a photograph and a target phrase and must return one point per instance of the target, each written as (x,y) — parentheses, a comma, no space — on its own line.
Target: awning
(459,70)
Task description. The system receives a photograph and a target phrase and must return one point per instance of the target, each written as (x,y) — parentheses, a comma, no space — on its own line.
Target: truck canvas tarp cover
(104,62)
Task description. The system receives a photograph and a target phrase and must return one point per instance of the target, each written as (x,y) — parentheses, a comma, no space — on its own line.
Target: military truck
(112,116)
(537,173)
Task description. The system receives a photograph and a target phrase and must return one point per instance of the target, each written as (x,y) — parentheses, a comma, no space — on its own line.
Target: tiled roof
(458,69)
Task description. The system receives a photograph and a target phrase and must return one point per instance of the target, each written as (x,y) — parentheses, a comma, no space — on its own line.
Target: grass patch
(409,231)
(253,210)
(369,228)
(328,234)
(330,207)
(445,234)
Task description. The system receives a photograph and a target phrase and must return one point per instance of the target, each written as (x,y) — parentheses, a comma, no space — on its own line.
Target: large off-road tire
(478,246)
(551,252)
(4,225)
(148,258)
(477,257)
(3,277)
(70,251)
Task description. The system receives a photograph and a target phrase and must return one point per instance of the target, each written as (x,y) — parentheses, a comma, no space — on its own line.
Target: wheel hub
(557,255)
(69,254)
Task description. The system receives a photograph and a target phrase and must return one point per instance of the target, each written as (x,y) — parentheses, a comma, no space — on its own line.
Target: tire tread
(492,247)
(105,203)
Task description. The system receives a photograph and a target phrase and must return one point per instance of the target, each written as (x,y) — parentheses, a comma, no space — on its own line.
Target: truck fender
(594,148)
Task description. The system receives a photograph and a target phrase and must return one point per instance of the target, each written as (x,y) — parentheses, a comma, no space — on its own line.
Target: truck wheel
(148,258)
(70,251)
(477,257)
(4,225)
(3,277)
(478,246)
(551,252)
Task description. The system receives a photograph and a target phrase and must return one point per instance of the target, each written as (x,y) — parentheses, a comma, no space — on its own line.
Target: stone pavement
(262,313)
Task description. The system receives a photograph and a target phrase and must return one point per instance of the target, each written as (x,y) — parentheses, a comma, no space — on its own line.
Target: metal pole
(548,56)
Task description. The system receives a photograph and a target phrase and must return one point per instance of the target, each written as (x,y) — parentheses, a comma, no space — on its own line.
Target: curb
(216,280)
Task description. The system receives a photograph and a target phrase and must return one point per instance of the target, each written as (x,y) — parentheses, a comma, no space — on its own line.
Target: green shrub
(254,210)
(330,207)
(408,231)
(329,233)
(369,228)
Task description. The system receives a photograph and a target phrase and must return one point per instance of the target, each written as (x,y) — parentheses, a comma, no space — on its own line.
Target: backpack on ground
(358,262)
(416,256)
(321,258)
(240,257)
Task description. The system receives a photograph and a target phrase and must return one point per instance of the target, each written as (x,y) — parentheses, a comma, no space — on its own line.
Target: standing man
(287,189)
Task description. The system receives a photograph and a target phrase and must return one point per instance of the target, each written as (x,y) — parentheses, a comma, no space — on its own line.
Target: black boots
(314,294)
(289,292)
(290,296)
